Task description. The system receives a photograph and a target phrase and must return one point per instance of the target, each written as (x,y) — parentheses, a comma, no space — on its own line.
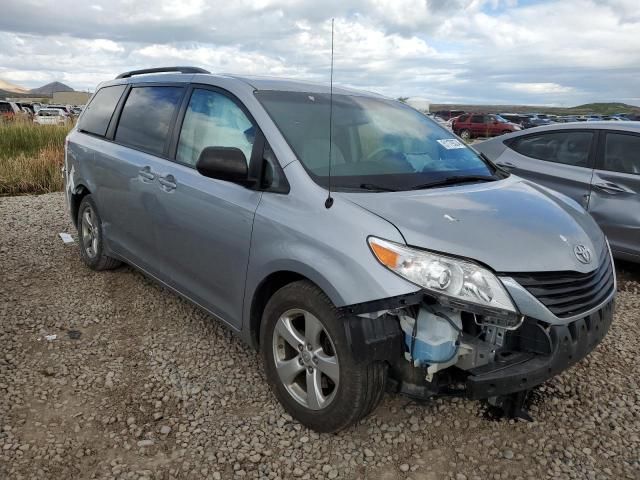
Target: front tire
(308,361)
(90,237)
(465,135)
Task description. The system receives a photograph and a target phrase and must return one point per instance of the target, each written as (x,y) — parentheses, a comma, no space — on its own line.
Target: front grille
(567,294)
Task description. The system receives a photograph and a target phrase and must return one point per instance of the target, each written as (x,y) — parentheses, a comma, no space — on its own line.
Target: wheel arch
(75,198)
(270,284)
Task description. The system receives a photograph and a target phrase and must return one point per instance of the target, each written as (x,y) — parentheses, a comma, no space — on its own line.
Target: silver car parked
(355,242)
(596,163)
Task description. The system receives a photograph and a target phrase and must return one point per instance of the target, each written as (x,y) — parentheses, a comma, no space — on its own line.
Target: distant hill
(49,88)
(596,108)
(605,108)
(11,88)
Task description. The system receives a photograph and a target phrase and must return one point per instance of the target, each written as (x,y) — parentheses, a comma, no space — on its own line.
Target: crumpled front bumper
(548,350)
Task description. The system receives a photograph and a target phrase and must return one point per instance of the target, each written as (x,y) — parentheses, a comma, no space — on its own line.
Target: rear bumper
(565,345)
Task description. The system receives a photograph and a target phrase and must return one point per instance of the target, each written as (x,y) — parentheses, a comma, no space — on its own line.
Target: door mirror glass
(223,163)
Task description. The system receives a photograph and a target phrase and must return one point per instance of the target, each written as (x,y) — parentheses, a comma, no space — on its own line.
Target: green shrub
(31,157)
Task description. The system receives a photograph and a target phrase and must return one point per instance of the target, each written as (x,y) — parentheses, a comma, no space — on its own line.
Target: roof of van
(294,85)
(256,82)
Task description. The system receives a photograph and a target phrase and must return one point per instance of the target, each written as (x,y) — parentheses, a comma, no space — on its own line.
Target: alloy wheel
(305,359)
(89,232)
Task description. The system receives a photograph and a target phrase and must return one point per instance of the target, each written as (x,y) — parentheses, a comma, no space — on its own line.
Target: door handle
(611,188)
(167,183)
(506,164)
(146,174)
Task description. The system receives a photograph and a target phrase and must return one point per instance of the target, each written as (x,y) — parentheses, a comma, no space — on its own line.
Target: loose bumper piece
(516,371)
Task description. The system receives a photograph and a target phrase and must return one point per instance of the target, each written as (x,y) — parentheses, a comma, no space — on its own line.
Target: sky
(563,52)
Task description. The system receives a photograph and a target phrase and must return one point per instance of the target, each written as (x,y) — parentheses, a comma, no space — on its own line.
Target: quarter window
(146,117)
(622,153)
(569,148)
(98,113)
(213,120)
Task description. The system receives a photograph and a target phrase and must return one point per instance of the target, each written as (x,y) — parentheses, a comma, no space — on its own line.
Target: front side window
(98,113)
(146,117)
(477,119)
(213,120)
(622,153)
(377,142)
(569,148)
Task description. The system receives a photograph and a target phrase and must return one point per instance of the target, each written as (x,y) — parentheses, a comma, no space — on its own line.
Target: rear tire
(289,344)
(465,134)
(90,237)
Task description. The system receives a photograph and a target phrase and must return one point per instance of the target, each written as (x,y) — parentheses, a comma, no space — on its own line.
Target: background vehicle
(517,119)
(596,163)
(8,110)
(538,119)
(411,267)
(50,116)
(471,125)
(448,114)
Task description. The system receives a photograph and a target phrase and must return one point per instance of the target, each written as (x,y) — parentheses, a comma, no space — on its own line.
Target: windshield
(500,119)
(375,142)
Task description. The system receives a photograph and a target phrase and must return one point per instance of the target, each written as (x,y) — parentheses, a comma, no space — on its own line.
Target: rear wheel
(308,361)
(465,134)
(90,237)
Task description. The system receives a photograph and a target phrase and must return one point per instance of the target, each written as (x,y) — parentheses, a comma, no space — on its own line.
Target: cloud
(480,51)
(537,88)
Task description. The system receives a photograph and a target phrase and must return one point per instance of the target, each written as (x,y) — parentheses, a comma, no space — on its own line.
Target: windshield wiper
(504,173)
(455,179)
(376,188)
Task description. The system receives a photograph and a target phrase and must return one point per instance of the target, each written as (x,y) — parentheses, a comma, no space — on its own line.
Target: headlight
(447,277)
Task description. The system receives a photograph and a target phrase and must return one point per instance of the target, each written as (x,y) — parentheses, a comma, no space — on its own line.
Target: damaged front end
(443,344)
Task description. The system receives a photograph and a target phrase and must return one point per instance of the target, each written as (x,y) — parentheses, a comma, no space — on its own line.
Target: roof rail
(162,70)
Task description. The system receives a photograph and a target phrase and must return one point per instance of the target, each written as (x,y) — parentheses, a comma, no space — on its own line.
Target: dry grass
(31,157)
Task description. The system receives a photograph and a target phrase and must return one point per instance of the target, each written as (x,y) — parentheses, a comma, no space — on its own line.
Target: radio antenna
(329,201)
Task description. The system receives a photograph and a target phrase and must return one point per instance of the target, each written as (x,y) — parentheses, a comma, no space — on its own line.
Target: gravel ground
(153,388)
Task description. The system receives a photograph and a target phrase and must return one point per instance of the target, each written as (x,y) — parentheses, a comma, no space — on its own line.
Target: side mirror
(224,163)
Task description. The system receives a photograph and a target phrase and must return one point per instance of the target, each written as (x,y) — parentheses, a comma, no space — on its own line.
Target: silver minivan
(356,243)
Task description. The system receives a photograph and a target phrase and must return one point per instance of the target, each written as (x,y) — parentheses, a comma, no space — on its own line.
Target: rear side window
(622,153)
(98,113)
(146,117)
(569,148)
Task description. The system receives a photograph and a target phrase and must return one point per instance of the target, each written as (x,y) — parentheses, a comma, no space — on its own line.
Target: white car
(50,116)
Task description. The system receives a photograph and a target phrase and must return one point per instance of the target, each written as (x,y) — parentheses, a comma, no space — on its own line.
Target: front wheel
(309,364)
(465,135)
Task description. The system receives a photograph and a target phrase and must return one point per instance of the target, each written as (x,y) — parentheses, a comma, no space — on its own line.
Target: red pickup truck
(472,125)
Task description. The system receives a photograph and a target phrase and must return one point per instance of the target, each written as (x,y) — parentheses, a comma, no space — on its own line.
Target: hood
(511,225)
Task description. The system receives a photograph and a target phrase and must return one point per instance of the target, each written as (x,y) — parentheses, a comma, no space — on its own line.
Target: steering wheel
(381,152)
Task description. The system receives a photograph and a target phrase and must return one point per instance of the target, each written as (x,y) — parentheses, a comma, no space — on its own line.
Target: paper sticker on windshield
(451,143)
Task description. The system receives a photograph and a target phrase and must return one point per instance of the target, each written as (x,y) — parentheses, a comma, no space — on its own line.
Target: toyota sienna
(356,244)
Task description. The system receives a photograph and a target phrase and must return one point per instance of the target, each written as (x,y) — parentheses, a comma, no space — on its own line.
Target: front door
(203,225)
(615,193)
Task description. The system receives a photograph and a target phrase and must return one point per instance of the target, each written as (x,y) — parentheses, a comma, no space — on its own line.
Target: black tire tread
(368,380)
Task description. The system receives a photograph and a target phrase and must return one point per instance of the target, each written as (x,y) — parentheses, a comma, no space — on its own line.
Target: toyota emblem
(583,254)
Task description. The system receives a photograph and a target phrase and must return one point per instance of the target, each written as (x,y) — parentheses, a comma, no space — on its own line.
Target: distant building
(71,98)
